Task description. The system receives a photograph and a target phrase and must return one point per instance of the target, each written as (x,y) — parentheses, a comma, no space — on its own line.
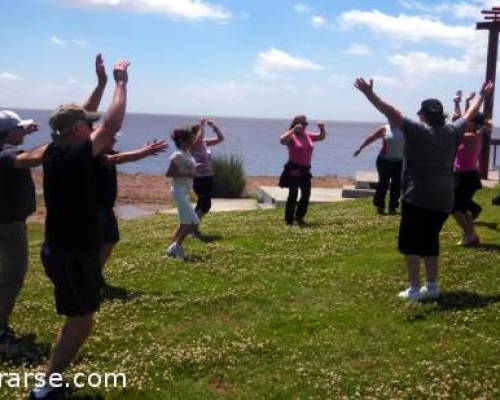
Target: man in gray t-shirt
(428,183)
(429,153)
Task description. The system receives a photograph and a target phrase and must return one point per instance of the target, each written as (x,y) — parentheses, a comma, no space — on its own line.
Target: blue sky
(252,58)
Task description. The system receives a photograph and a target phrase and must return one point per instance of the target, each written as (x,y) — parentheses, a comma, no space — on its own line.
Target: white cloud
(358,49)
(302,8)
(275,60)
(318,21)
(58,41)
(414,63)
(6,76)
(460,9)
(411,28)
(185,9)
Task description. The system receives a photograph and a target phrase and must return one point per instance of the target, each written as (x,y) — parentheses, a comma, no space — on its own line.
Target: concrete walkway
(277,196)
(136,211)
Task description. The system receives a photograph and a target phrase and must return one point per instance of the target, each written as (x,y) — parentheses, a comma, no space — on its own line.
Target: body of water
(256,141)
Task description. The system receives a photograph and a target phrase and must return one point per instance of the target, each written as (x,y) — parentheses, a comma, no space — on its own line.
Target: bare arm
(219,136)
(486,90)
(393,115)
(92,104)
(457,113)
(32,158)
(318,137)
(288,135)
(468,100)
(103,137)
(150,149)
(376,135)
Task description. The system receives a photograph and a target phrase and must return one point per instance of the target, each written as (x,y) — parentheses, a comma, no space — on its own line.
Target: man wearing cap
(428,182)
(17,203)
(70,254)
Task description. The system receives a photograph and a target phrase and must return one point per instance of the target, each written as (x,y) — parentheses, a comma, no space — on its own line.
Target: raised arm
(468,100)
(486,90)
(393,115)
(103,137)
(457,100)
(318,137)
(149,149)
(219,136)
(92,104)
(374,136)
(287,136)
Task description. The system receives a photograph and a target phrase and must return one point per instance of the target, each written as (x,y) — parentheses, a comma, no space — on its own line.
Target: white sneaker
(175,250)
(412,294)
(430,291)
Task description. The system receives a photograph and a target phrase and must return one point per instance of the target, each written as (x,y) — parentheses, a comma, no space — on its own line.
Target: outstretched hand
(364,87)
(487,89)
(100,70)
(321,126)
(155,147)
(120,71)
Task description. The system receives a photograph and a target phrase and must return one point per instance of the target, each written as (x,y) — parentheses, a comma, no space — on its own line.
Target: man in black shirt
(17,203)
(71,251)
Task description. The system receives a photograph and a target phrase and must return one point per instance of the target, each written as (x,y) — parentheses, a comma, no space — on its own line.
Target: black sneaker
(8,336)
(496,201)
(56,393)
(475,214)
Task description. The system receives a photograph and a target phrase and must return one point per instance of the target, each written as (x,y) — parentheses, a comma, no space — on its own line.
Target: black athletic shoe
(55,394)
(8,336)
(496,201)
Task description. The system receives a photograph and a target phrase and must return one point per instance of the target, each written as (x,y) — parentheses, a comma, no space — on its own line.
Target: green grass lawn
(266,311)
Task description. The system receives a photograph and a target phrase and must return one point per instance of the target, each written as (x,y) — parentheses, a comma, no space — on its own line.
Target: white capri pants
(187,215)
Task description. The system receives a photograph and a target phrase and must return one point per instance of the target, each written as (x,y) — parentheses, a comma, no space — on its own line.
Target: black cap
(431,107)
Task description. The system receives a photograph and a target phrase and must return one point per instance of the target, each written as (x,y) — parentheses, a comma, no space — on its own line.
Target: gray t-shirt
(429,154)
(17,190)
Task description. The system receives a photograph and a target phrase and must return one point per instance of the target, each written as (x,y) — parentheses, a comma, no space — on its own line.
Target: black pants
(294,211)
(389,176)
(202,186)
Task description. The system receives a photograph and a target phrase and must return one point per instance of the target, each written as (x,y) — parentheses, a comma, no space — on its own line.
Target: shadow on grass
(456,301)
(25,352)
(490,225)
(209,238)
(196,258)
(77,396)
(111,293)
(489,246)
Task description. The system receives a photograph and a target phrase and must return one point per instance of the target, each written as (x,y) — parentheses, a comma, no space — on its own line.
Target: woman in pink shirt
(297,171)
(467,178)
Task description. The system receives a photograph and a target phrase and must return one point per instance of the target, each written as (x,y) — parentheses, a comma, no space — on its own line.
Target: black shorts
(77,279)
(109,226)
(419,230)
(466,185)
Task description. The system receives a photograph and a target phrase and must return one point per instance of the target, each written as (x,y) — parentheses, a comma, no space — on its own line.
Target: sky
(245,58)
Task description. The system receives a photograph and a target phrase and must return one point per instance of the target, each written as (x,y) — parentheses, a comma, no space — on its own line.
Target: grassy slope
(274,312)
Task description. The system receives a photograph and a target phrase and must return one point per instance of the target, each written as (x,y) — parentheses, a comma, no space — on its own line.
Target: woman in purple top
(297,171)
(203,181)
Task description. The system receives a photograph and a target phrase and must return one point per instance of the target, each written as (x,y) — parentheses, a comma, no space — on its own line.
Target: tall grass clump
(229,177)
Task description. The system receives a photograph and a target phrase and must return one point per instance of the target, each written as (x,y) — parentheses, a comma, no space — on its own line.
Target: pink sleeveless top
(467,160)
(300,149)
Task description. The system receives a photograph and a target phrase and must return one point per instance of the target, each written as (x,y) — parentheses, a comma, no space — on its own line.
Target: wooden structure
(492,25)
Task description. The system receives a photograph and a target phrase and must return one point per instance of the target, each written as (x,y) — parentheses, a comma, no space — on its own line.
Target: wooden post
(492,25)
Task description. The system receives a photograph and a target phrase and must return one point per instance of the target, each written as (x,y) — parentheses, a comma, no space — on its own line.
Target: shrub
(229,177)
